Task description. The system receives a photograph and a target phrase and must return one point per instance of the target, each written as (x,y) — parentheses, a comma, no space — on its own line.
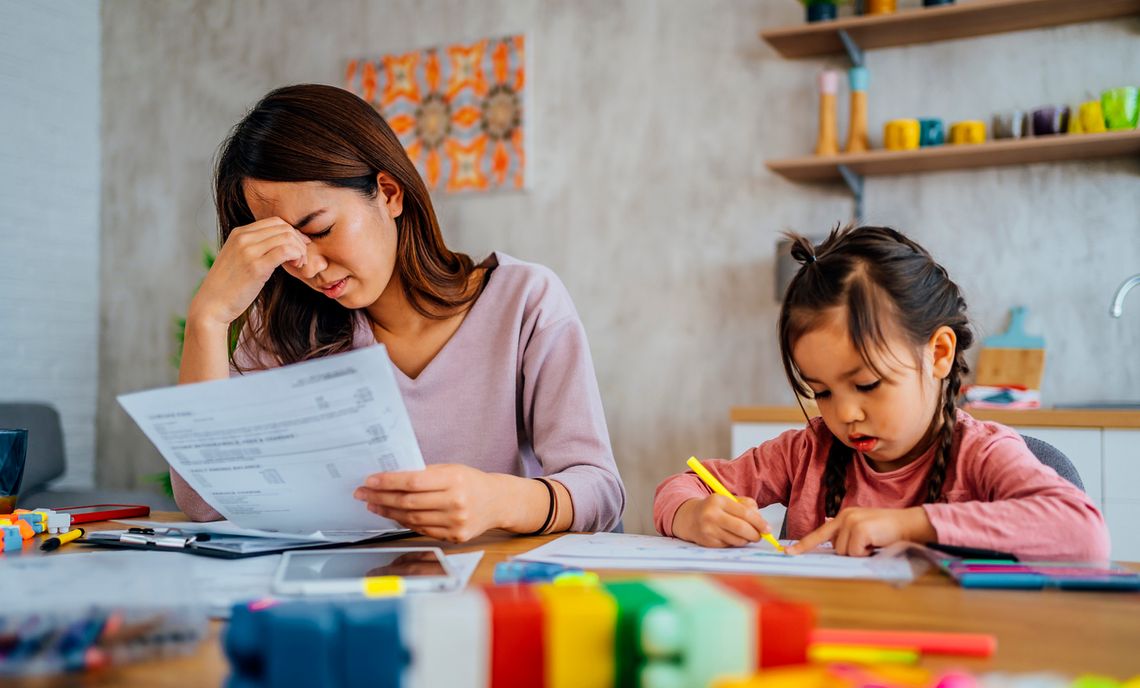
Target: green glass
(1121,107)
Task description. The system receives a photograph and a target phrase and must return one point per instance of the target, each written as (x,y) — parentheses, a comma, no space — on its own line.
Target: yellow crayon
(715,485)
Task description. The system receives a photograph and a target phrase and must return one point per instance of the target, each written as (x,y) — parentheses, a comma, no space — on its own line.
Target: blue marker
(529,572)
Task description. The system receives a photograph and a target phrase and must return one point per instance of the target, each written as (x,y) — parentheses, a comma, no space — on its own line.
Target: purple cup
(1050,119)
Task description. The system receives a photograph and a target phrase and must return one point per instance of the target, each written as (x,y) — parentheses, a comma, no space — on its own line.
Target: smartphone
(348,571)
(104,512)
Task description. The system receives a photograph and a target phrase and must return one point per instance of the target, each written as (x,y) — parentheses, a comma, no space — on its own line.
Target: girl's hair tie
(810,259)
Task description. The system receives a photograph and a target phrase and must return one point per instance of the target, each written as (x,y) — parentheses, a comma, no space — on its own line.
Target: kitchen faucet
(1118,300)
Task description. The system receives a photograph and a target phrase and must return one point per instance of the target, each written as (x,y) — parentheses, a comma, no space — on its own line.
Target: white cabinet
(748,435)
(1107,459)
(1122,492)
(1083,447)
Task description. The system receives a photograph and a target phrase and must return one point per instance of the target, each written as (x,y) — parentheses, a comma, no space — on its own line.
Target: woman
(330,243)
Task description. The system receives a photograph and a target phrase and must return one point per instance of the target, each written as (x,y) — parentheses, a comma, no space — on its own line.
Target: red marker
(928,643)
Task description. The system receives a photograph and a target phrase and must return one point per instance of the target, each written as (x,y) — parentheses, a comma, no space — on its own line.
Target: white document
(283,449)
(653,553)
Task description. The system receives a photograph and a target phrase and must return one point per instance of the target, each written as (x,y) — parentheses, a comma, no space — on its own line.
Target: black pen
(971,552)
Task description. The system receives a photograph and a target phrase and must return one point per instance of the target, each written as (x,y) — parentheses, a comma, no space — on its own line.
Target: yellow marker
(861,654)
(383,586)
(60,540)
(714,484)
(577,578)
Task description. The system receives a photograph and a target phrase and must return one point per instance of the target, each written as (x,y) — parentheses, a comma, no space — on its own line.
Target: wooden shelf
(941,23)
(958,157)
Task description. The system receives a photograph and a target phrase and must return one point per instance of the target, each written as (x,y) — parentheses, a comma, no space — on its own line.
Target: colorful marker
(56,542)
(716,486)
(927,642)
(861,654)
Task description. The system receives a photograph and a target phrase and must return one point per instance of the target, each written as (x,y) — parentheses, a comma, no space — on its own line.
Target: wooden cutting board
(1013,357)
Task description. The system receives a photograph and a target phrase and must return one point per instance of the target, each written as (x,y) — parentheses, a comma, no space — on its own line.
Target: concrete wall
(49,216)
(652,120)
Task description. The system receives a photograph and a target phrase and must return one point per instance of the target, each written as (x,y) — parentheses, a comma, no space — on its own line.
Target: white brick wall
(49,215)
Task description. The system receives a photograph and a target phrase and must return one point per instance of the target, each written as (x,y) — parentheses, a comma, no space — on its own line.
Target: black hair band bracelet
(550,511)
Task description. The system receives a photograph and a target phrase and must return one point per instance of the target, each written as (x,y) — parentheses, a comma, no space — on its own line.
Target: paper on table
(652,553)
(81,579)
(284,449)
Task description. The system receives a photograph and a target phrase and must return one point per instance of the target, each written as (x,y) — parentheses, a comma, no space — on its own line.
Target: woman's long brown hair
(883,280)
(312,132)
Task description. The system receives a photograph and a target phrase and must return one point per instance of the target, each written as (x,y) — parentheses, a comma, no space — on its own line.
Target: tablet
(367,571)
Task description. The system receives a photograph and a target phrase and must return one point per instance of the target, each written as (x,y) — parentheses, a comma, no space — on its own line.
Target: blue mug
(13,454)
(931,132)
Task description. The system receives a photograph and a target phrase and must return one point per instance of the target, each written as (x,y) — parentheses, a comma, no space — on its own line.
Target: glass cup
(13,454)
(1048,120)
(821,11)
(1013,124)
(1121,107)
(1089,119)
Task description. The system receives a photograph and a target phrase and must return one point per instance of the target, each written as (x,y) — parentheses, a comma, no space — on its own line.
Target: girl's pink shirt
(998,494)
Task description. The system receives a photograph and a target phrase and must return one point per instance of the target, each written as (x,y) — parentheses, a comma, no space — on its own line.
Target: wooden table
(1068,632)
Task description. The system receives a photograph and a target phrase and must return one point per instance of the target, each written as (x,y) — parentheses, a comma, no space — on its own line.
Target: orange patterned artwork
(458,110)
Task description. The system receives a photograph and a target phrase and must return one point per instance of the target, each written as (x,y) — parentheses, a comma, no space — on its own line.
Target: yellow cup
(1089,119)
(901,134)
(968,131)
(881,6)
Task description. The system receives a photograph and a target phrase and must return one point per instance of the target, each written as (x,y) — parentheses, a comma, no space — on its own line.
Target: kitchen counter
(1044,417)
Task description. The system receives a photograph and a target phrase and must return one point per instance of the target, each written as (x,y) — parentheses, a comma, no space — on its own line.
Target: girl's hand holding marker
(722,519)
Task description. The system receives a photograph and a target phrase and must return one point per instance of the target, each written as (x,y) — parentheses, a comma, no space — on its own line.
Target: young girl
(329,243)
(874,331)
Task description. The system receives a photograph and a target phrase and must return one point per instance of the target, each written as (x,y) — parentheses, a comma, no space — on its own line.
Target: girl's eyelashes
(825,394)
(324,232)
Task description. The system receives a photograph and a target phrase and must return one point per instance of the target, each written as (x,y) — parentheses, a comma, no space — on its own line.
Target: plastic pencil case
(355,643)
(351,643)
